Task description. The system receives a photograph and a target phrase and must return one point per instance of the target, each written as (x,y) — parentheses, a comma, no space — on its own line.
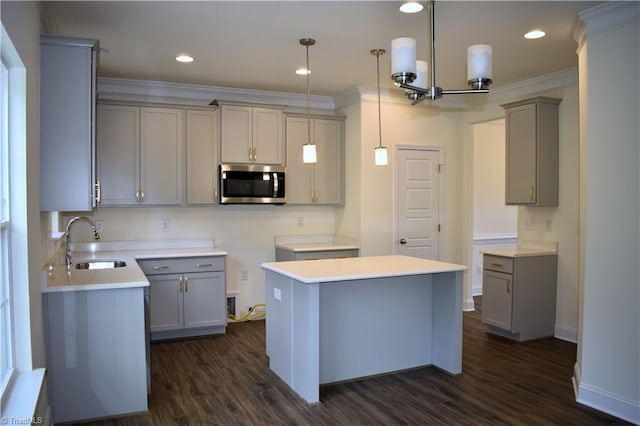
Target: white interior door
(418,202)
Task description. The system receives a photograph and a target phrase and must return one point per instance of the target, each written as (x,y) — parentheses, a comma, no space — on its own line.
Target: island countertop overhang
(355,268)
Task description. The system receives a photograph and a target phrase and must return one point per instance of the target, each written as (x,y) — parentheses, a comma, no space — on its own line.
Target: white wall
(402,124)
(492,218)
(607,370)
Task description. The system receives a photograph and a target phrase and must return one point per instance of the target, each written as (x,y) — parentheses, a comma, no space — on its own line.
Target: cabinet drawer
(182,265)
(326,254)
(498,263)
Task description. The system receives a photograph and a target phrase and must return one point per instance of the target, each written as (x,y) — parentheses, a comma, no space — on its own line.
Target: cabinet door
(329,170)
(236,134)
(299,175)
(165,302)
(521,154)
(204,300)
(497,299)
(161,156)
(118,154)
(268,140)
(202,157)
(67,117)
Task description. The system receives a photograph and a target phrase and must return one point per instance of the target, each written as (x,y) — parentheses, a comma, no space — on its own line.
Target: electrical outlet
(166,225)
(547,225)
(99,225)
(244,274)
(300,221)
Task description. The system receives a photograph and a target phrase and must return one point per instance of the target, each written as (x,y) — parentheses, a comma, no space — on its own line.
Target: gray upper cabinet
(202,157)
(322,182)
(67,117)
(140,155)
(251,134)
(532,152)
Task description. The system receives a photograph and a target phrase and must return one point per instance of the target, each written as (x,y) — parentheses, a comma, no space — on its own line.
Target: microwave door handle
(275,184)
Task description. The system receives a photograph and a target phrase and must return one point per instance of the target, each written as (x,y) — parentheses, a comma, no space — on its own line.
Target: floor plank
(226,380)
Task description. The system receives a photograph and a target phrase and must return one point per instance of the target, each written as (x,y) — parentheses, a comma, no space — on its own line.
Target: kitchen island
(331,320)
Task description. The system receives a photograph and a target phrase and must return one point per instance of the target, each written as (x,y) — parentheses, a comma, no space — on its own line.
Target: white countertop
(519,252)
(56,277)
(306,243)
(355,268)
(305,247)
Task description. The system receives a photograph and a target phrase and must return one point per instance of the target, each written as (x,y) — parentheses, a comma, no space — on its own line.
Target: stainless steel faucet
(96,236)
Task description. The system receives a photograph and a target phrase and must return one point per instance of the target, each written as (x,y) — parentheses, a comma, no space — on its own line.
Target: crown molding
(194,94)
(606,17)
(556,80)
(116,89)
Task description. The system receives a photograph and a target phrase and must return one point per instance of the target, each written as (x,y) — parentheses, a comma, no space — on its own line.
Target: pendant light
(308,149)
(380,151)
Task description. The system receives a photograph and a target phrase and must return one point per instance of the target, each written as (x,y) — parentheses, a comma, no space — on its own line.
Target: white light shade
(381,156)
(479,62)
(309,153)
(421,72)
(403,55)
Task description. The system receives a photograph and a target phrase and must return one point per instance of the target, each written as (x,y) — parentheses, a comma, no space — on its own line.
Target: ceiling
(255,44)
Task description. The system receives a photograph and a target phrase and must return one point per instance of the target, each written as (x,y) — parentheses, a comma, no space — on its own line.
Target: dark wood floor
(225,380)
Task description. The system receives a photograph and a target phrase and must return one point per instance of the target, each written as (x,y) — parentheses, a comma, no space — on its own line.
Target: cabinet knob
(403,241)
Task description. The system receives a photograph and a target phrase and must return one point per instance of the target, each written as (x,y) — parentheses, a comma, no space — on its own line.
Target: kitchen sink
(101,264)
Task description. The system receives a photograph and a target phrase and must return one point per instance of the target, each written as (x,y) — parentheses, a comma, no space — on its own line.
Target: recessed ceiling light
(411,7)
(184,58)
(533,34)
(302,71)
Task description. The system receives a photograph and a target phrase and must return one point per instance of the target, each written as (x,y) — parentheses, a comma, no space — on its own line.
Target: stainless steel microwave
(251,184)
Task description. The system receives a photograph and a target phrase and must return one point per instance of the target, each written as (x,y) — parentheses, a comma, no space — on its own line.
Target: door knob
(403,241)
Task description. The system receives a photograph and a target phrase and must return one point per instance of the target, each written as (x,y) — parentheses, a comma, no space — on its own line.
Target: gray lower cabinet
(96,357)
(187,296)
(519,296)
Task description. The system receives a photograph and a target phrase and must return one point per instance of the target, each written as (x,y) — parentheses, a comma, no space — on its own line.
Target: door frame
(441,209)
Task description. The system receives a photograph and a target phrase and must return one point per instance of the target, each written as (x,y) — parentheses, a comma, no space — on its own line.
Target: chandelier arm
(464,91)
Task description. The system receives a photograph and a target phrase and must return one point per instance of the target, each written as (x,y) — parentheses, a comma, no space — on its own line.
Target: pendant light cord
(379,113)
(308,100)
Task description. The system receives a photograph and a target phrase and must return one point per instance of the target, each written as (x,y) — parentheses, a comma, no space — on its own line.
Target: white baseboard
(476,290)
(570,334)
(604,401)
(468,305)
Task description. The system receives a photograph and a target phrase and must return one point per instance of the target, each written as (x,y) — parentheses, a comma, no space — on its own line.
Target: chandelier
(405,70)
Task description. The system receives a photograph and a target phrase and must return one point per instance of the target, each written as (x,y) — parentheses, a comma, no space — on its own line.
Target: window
(6,338)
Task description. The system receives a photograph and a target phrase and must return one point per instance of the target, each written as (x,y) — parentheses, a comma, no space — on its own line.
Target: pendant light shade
(380,151)
(308,149)
(309,153)
(381,158)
